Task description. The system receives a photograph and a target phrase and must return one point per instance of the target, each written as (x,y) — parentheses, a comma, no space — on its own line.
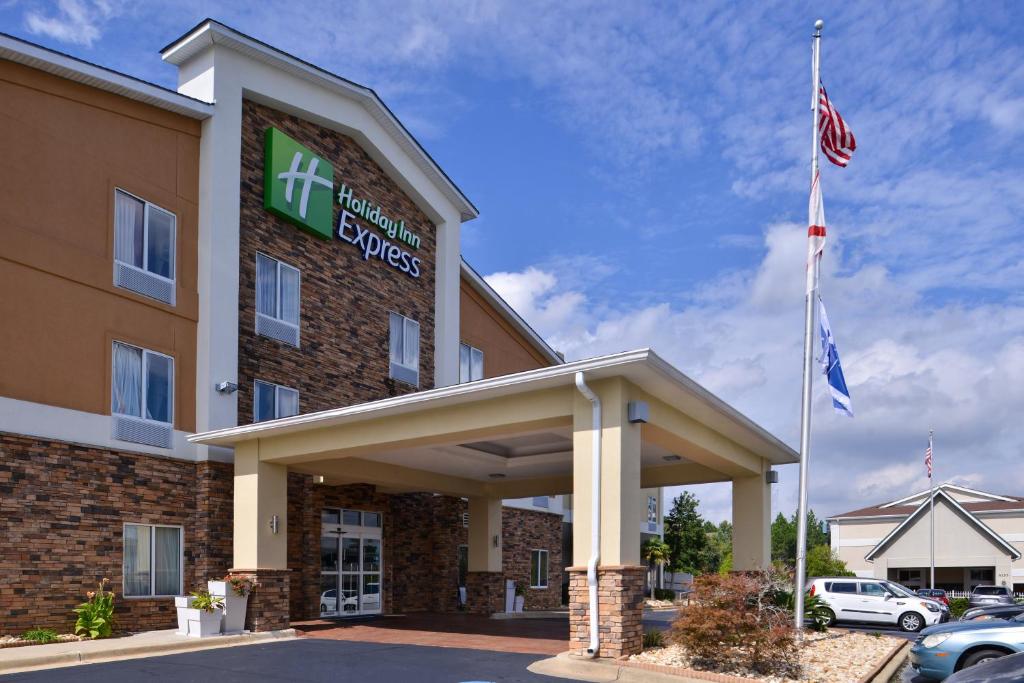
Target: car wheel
(911,621)
(981,656)
(828,616)
(323,608)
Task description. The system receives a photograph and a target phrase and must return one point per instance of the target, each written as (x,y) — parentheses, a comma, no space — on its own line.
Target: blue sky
(642,174)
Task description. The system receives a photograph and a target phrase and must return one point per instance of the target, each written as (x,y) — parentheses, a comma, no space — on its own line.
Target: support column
(751,523)
(620,572)
(261,537)
(485,578)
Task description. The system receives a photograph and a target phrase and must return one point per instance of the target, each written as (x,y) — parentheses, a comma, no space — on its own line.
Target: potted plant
(182,603)
(520,598)
(204,617)
(234,593)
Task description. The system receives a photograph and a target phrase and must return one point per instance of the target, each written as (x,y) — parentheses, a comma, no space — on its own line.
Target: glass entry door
(350,563)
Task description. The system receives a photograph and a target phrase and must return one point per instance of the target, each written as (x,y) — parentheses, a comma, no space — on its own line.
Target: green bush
(653,638)
(664,594)
(40,635)
(202,600)
(96,615)
(957,607)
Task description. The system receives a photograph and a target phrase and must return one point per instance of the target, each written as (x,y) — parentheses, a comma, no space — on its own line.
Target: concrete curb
(567,665)
(124,649)
(890,665)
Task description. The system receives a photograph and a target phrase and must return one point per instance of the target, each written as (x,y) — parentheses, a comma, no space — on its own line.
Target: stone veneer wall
(620,596)
(62,511)
(343,356)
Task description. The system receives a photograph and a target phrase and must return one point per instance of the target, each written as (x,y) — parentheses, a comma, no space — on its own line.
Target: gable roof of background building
(100,77)
(896,509)
(212,32)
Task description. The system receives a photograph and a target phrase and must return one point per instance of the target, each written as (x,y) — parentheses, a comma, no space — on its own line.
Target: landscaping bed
(18,641)
(835,656)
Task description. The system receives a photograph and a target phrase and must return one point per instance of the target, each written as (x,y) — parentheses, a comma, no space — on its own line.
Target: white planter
(520,601)
(203,624)
(234,605)
(183,603)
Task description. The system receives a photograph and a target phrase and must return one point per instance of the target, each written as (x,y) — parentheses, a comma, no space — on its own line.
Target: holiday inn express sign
(298,186)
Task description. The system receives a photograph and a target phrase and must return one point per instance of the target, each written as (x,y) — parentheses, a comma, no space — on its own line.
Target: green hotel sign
(298,186)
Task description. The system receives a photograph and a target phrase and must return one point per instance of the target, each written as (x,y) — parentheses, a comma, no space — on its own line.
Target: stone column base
(267,609)
(620,596)
(485,592)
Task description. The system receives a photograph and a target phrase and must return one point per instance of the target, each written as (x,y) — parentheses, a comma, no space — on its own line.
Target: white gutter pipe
(595,511)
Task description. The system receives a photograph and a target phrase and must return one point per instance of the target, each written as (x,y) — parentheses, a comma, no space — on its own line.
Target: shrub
(201,599)
(957,607)
(739,623)
(40,635)
(653,638)
(664,594)
(96,615)
(815,608)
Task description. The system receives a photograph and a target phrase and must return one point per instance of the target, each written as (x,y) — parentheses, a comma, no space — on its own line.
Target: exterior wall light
(273,523)
(771,477)
(496,540)
(226,387)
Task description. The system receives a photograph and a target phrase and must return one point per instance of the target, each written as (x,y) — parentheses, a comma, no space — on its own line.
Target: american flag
(837,141)
(928,457)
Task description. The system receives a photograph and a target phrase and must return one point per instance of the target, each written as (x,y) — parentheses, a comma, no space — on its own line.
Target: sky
(642,172)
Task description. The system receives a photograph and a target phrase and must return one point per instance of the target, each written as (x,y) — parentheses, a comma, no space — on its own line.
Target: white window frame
(468,377)
(145,382)
(152,561)
(277,399)
(547,564)
(148,207)
(414,370)
(277,297)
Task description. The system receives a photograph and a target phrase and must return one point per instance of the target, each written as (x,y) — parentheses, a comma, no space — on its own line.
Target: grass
(653,638)
(40,635)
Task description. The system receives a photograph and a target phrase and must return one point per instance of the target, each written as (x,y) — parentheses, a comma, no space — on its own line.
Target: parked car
(942,650)
(983,596)
(993,612)
(874,601)
(1008,669)
(934,594)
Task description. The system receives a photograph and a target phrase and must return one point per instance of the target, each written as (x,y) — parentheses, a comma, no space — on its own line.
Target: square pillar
(260,545)
(620,572)
(485,577)
(751,523)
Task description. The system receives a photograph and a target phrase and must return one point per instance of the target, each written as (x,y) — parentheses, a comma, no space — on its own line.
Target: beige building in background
(979,538)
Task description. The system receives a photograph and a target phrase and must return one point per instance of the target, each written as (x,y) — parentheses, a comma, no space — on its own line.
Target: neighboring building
(241,336)
(978,538)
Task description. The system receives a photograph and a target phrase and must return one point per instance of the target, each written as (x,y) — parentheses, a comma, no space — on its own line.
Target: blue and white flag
(830,365)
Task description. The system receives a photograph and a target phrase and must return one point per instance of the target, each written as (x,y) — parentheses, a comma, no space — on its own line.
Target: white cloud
(76,21)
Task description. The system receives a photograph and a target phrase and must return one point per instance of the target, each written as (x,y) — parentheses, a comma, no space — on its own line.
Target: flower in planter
(240,585)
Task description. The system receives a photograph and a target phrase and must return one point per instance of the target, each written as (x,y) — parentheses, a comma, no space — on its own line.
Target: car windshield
(989,590)
(901,591)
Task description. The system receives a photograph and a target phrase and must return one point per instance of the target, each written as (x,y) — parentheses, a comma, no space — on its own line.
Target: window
(277,300)
(142,395)
(273,401)
(405,349)
(152,560)
(873,589)
(143,247)
(471,364)
(540,502)
(840,587)
(539,569)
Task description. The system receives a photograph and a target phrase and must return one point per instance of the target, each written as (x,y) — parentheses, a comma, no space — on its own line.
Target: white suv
(875,601)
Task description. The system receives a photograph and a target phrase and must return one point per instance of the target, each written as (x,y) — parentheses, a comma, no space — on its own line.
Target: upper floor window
(143,247)
(142,395)
(277,300)
(471,363)
(272,401)
(404,349)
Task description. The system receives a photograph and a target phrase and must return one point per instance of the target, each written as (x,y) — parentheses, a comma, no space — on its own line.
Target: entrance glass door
(350,563)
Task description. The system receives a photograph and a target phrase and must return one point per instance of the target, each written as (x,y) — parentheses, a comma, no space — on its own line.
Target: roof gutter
(595,510)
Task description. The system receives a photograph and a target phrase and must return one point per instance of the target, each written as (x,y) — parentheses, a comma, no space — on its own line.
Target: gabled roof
(940,493)
(480,286)
(99,77)
(906,506)
(949,487)
(209,32)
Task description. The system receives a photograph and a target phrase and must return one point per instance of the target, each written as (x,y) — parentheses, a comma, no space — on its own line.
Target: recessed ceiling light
(671,458)
(496,475)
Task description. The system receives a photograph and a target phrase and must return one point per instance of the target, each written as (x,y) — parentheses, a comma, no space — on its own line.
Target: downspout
(595,510)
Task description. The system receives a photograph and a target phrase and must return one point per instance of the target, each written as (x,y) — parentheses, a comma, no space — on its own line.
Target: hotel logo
(298,185)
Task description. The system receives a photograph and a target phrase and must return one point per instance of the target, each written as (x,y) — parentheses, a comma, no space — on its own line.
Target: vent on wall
(147,284)
(142,431)
(277,329)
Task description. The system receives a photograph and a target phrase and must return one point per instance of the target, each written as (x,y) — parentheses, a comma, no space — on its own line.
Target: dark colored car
(984,596)
(934,594)
(993,612)
(1009,669)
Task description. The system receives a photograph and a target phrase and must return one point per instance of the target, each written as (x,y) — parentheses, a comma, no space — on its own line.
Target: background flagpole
(805,405)
(931,506)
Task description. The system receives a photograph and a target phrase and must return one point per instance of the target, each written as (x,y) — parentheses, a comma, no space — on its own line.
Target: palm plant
(655,552)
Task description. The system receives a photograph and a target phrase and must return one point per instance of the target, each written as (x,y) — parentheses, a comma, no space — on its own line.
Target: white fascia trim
(865,518)
(209,32)
(91,430)
(101,78)
(955,487)
(479,284)
(1014,553)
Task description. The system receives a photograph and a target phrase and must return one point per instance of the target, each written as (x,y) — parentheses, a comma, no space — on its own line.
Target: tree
(784,532)
(686,536)
(823,561)
(656,553)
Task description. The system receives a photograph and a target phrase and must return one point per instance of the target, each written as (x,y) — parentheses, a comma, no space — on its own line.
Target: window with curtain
(539,569)
(277,299)
(471,363)
(144,236)
(152,564)
(142,383)
(404,349)
(272,401)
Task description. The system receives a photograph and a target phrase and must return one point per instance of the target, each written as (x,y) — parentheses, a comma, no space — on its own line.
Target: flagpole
(805,404)
(931,508)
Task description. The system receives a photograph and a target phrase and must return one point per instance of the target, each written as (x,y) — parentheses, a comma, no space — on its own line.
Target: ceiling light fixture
(671,458)
(496,475)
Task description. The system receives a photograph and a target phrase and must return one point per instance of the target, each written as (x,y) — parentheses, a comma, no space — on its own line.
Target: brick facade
(620,595)
(267,607)
(344,303)
(523,531)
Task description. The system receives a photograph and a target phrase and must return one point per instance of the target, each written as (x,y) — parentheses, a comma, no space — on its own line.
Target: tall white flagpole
(805,405)
(931,507)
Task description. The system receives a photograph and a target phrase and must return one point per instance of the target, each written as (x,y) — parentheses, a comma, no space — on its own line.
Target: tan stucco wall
(505,350)
(66,148)
(957,543)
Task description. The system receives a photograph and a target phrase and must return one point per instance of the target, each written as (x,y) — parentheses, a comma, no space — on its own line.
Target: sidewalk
(148,644)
